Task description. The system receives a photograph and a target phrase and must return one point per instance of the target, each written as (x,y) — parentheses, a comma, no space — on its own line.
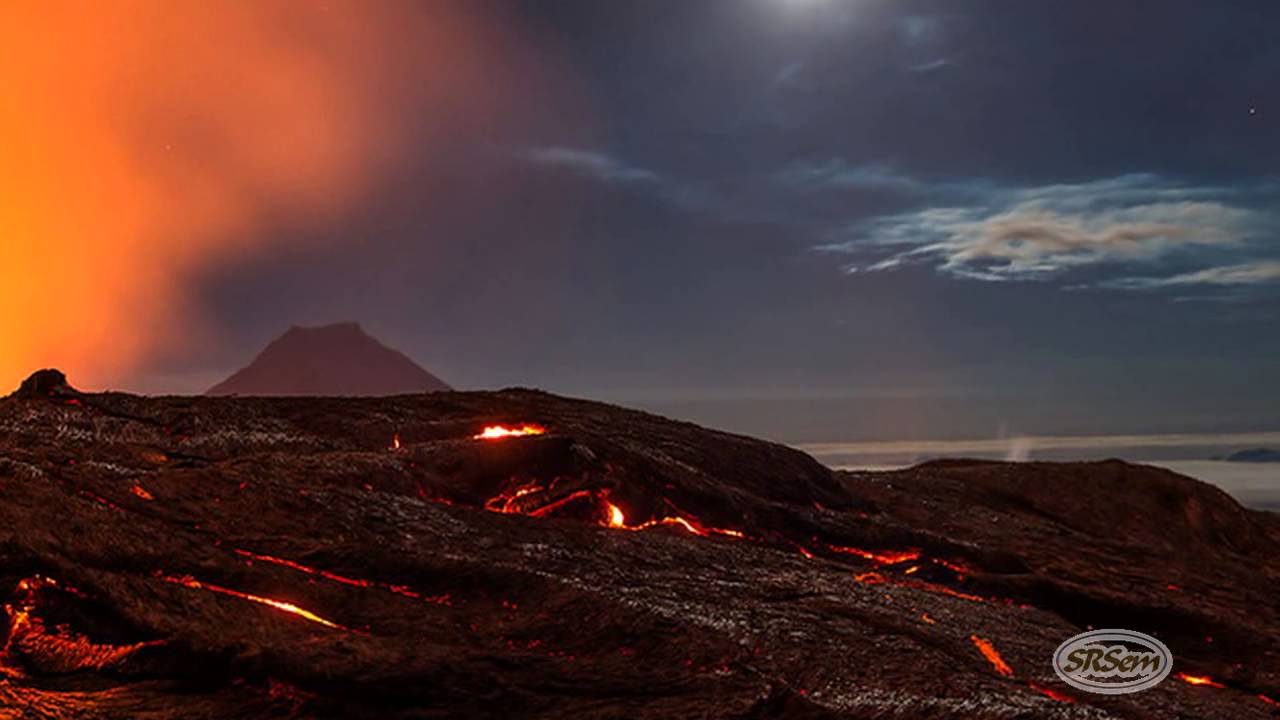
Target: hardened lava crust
(517,554)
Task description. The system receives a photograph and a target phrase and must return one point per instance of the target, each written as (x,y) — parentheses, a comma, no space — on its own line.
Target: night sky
(808,219)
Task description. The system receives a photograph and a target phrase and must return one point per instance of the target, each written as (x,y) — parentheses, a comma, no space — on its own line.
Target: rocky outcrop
(47,383)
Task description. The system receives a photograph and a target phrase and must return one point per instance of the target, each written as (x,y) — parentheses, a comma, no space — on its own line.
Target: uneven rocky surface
(309,557)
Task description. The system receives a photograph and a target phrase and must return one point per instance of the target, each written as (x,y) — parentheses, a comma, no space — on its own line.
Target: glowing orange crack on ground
(1051,693)
(887,557)
(959,569)
(509,501)
(506,501)
(512,500)
(1003,668)
(342,579)
(992,655)
(1199,680)
(618,521)
(1206,681)
(190,582)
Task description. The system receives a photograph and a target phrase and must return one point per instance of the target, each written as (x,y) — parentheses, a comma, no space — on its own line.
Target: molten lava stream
(888,557)
(190,582)
(1199,680)
(617,520)
(1051,693)
(1003,669)
(992,655)
(343,580)
(500,432)
(1206,681)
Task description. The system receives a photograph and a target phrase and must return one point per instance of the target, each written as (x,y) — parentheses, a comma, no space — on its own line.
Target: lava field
(516,554)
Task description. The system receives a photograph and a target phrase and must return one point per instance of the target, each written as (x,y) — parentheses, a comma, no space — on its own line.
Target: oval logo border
(1115,688)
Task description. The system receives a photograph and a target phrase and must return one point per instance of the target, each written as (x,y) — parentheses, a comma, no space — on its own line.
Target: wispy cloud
(683,194)
(1032,240)
(838,174)
(1251,273)
(591,164)
(1110,226)
(929,66)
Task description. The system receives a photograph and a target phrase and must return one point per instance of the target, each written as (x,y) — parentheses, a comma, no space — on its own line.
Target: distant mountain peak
(334,360)
(1255,455)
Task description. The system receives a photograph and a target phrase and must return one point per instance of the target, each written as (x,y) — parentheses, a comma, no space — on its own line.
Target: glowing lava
(1206,681)
(501,432)
(960,569)
(1199,680)
(1051,693)
(58,648)
(889,557)
(509,500)
(190,582)
(535,500)
(617,520)
(343,580)
(992,655)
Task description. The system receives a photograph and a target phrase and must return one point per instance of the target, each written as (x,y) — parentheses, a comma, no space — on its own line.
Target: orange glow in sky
(145,142)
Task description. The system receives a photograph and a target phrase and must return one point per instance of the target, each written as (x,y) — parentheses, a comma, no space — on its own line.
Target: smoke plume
(146,140)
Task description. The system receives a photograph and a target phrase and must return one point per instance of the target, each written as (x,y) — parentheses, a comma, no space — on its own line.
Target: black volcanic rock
(370,558)
(49,382)
(1255,455)
(333,360)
